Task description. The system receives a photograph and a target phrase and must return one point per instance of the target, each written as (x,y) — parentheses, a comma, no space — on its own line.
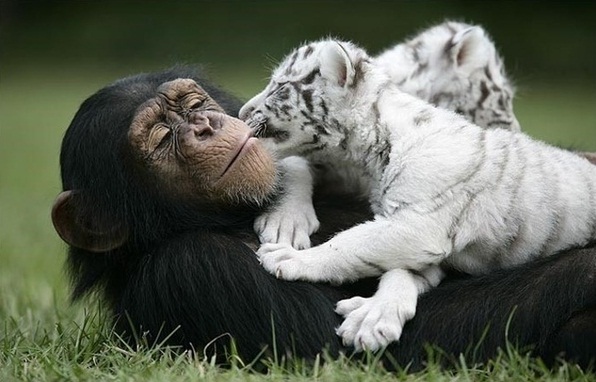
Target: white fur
(443,190)
(374,322)
(295,219)
(446,66)
(420,66)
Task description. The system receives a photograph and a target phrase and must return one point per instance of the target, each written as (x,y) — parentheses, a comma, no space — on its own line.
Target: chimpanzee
(161,186)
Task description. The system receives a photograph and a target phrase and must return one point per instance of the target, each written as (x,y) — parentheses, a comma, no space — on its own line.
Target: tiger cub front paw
(290,224)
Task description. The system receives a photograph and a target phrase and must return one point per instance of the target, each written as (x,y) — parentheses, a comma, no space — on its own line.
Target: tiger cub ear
(336,64)
(470,49)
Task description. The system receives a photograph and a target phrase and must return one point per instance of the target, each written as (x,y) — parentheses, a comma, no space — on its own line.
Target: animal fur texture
(451,65)
(444,191)
(455,66)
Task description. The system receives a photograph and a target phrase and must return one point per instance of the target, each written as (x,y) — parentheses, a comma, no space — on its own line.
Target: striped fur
(455,66)
(443,190)
(452,65)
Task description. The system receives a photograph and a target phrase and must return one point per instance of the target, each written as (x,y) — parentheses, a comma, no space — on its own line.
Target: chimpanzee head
(155,154)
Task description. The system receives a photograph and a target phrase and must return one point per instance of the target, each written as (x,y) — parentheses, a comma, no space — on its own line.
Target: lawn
(44,338)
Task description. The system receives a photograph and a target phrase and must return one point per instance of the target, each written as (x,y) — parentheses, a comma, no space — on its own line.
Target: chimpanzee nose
(205,124)
(202,131)
(215,120)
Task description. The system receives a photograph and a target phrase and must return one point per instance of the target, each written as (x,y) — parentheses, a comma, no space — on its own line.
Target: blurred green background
(56,53)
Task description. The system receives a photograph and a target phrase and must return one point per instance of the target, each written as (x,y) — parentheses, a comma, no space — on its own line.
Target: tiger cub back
(455,66)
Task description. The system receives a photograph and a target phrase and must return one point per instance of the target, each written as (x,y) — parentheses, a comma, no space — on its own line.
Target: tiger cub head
(314,86)
(457,67)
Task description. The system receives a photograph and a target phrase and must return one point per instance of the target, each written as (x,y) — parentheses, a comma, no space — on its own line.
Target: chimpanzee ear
(336,65)
(86,232)
(469,49)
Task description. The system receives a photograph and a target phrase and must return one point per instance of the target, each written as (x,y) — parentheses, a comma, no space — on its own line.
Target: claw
(278,273)
(345,342)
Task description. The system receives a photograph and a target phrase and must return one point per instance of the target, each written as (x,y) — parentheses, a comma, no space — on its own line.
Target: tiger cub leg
(374,322)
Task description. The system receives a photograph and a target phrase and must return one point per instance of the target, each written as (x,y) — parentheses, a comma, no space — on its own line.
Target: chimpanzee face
(184,138)
(179,149)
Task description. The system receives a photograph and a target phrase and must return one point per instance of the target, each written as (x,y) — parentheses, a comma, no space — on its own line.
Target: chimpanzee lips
(244,145)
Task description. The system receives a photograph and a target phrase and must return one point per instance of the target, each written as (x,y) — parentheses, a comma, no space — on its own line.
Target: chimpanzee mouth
(244,145)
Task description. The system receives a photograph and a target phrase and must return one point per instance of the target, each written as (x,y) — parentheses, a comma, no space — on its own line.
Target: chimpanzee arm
(212,286)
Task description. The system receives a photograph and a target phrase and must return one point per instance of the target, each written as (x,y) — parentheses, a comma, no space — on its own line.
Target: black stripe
(358,74)
(323,106)
(421,68)
(283,94)
(310,120)
(309,79)
(484,93)
(308,51)
(321,130)
(488,73)
(307,97)
(290,66)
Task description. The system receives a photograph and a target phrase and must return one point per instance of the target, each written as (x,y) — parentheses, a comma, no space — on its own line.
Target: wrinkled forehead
(298,62)
(172,103)
(181,92)
(180,95)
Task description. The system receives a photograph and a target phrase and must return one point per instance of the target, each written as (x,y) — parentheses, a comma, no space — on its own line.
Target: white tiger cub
(455,66)
(451,65)
(443,189)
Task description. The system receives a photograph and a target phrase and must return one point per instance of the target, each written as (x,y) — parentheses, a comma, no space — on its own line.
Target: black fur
(187,270)
(538,304)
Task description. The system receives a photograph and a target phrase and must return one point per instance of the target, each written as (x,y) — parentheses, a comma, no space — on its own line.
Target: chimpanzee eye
(158,137)
(196,104)
(165,139)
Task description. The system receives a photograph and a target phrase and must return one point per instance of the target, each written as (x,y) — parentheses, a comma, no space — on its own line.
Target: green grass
(43,338)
